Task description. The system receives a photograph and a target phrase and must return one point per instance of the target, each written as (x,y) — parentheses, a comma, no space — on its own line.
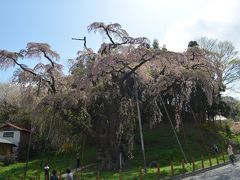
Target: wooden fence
(183,164)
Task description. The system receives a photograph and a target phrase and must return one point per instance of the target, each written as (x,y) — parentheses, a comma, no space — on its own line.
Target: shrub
(9,159)
(228,131)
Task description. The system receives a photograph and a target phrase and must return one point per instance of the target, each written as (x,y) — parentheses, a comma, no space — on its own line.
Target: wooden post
(183,165)
(78,177)
(223,157)
(120,174)
(172,169)
(140,174)
(202,162)
(120,166)
(193,164)
(120,161)
(158,170)
(210,161)
(60,176)
(98,175)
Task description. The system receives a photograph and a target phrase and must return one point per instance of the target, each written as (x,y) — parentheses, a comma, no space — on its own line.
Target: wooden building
(16,136)
(6,148)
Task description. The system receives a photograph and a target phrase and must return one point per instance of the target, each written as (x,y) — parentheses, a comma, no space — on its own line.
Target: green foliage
(155,44)
(233,107)
(59,162)
(192,44)
(8,160)
(228,131)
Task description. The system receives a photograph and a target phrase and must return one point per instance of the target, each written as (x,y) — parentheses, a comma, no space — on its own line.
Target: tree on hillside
(226,55)
(155,44)
(98,98)
(234,107)
(110,80)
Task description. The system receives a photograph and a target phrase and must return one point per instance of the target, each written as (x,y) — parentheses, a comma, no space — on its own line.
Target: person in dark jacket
(54,175)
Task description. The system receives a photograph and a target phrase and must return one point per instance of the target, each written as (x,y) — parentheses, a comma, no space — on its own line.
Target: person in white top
(69,174)
(46,171)
(230,153)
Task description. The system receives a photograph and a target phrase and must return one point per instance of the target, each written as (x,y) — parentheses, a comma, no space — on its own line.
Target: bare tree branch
(84,40)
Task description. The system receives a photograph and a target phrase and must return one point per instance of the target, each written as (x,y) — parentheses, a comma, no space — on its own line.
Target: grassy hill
(160,146)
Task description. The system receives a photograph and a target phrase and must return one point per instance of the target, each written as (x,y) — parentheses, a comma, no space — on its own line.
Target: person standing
(69,174)
(78,161)
(230,154)
(215,148)
(46,171)
(54,175)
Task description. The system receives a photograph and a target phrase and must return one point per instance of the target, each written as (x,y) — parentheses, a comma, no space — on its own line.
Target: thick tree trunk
(109,143)
(108,158)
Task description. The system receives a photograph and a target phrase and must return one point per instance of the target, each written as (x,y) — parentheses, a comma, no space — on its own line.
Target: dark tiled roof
(15,127)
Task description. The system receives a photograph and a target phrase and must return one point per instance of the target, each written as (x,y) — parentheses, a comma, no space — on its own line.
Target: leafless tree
(226,55)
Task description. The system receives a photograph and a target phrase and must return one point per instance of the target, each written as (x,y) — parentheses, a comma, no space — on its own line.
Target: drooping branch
(66,106)
(115,31)
(25,68)
(33,50)
(108,35)
(38,76)
(78,124)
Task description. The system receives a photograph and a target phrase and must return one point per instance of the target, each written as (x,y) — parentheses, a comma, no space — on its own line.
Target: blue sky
(172,22)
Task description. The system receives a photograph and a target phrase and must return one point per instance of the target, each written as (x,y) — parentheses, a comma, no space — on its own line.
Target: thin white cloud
(215,20)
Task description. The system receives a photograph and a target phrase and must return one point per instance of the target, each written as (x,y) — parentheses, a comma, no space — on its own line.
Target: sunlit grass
(152,173)
(35,167)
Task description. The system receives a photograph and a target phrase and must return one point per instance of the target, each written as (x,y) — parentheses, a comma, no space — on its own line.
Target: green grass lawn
(55,161)
(160,146)
(152,173)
